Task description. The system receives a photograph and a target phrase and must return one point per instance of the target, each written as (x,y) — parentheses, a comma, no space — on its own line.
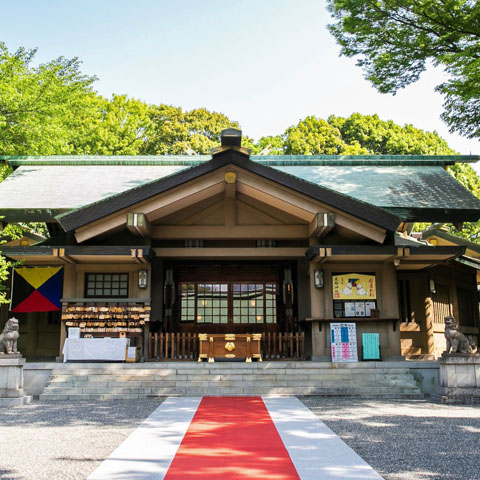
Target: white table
(109,349)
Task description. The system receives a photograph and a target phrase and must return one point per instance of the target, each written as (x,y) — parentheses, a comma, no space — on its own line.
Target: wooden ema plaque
(229,346)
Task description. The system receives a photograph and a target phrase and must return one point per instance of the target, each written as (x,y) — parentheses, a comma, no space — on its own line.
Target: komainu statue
(9,337)
(457,342)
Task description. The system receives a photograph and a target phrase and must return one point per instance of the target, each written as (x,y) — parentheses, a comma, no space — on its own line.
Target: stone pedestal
(459,379)
(11,381)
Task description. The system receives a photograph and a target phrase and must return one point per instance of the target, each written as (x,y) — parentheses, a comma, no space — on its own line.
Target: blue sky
(265,63)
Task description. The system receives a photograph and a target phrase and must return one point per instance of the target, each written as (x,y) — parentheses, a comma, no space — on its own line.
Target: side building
(161,249)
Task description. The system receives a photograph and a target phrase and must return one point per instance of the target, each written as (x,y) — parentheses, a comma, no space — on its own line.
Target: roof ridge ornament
(231,139)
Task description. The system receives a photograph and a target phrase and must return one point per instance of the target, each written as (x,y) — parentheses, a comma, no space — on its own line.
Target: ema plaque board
(344,342)
(354,286)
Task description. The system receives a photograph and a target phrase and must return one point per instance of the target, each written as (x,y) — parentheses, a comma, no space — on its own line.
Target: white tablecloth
(95,349)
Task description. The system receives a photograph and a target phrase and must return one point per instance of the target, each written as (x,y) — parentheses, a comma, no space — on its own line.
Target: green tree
(37,103)
(118,126)
(5,266)
(315,136)
(386,137)
(395,40)
(176,132)
(269,145)
(358,135)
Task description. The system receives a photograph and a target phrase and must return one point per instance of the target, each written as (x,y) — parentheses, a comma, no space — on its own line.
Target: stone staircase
(108,381)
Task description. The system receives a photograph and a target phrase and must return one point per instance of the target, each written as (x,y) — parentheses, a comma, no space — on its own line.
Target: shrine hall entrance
(230,298)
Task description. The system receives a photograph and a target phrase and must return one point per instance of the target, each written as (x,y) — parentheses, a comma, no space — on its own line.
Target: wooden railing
(283,346)
(184,346)
(173,346)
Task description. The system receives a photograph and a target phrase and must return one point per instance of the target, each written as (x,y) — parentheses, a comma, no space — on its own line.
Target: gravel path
(61,440)
(402,440)
(407,440)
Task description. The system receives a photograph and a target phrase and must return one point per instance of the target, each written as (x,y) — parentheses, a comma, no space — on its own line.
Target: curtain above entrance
(36,289)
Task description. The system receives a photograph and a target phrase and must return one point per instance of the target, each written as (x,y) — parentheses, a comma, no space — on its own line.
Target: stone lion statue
(9,337)
(456,340)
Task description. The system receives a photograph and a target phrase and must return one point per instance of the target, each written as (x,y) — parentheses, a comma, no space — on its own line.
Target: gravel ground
(407,440)
(61,440)
(402,440)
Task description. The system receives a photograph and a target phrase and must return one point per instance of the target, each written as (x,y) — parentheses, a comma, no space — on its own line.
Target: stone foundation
(11,382)
(459,379)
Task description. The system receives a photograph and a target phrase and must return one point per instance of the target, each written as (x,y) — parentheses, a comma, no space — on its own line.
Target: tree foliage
(360,135)
(395,40)
(38,103)
(116,126)
(382,137)
(314,136)
(176,132)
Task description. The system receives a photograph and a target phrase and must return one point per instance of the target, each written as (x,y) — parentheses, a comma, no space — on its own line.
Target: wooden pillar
(146,343)
(430,340)
(69,288)
(391,308)
(32,333)
(317,307)
(453,296)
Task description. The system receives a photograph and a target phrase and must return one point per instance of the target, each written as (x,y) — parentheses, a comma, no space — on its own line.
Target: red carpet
(232,438)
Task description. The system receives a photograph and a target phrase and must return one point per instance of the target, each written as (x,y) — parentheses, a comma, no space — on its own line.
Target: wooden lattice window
(227,302)
(441,303)
(254,302)
(106,285)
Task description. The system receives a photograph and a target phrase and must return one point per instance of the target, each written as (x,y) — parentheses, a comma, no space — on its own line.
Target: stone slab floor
(408,440)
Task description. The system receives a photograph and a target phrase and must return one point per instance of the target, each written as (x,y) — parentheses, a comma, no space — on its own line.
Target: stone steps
(133,381)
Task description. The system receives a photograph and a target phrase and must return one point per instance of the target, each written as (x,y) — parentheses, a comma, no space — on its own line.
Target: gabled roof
(414,188)
(100,209)
(439,232)
(414,193)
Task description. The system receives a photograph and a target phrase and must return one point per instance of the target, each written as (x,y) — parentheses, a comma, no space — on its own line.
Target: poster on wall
(344,342)
(354,286)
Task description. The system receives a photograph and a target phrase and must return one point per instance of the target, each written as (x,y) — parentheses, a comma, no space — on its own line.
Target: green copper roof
(390,186)
(270,160)
(42,187)
(41,192)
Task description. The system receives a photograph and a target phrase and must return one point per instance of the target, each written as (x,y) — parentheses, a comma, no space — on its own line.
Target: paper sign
(73,332)
(344,342)
(359,309)
(371,346)
(349,309)
(369,306)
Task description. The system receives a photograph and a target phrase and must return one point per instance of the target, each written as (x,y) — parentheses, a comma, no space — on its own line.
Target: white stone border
(148,452)
(315,450)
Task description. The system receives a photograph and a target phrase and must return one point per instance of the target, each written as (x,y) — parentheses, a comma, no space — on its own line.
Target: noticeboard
(344,342)
(371,346)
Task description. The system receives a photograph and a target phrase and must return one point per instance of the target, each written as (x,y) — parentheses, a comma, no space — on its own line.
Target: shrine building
(161,249)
